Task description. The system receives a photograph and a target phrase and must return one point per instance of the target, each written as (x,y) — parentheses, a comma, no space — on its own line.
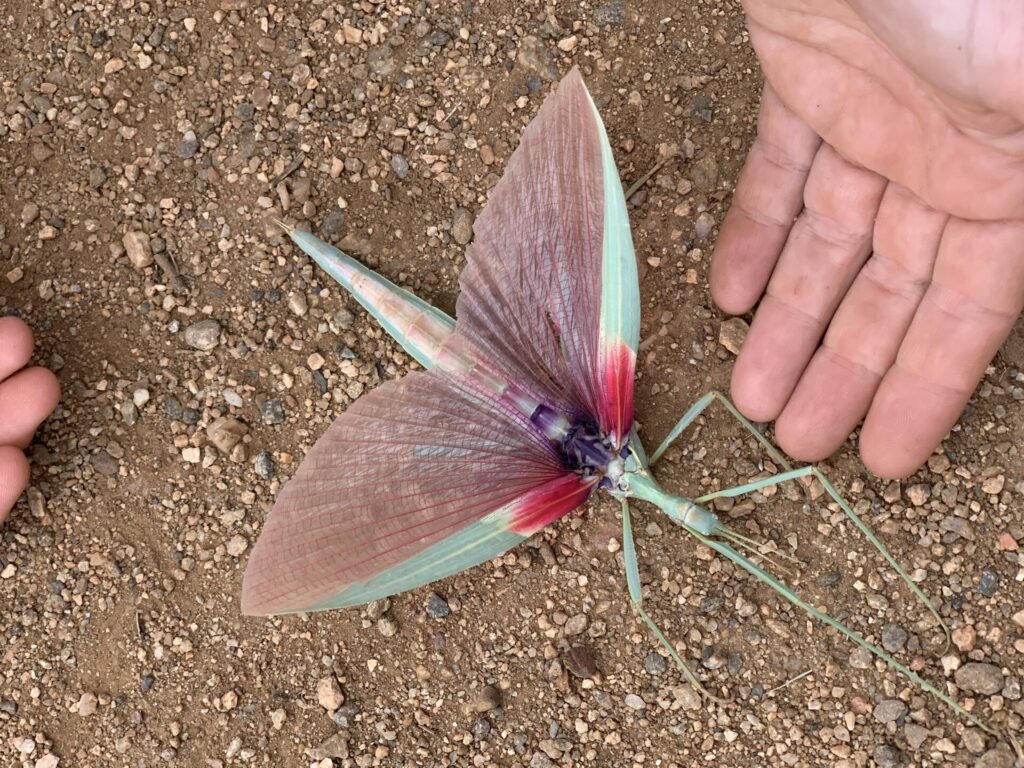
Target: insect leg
(636,597)
(697,408)
(812,471)
(755,570)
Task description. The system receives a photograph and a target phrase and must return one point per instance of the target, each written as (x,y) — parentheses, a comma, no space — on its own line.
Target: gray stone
(705,223)
(380,61)
(701,107)
(979,677)
(437,606)
(887,756)
(264,466)
(861,658)
(655,663)
(610,14)
(188,146)
(828,579)
(704,174)
(335,746)
(999,757)
(894,638)
(204,335)
(400,166)
(890,710)
(989,583)
(105,464)
(333,222)
(915,735)
(272,412)
(635,702)
(462,226)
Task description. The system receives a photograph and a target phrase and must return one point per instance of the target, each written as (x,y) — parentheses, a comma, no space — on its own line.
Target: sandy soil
(384,126)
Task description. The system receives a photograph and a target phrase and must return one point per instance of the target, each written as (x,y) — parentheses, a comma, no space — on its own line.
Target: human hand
(26,398)
(913,271)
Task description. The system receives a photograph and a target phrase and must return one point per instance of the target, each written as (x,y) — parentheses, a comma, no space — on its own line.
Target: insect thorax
(583,446)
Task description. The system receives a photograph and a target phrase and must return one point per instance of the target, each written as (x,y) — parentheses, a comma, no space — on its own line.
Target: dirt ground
(384,126)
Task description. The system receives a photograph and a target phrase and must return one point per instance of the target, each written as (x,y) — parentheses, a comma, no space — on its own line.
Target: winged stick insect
(525,408)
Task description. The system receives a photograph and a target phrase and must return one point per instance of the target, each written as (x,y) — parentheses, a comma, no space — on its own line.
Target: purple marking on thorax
(580,442)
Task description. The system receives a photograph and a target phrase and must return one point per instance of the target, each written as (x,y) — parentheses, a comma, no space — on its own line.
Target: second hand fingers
(975,298)
(768,197)
(826,247)
(862,340)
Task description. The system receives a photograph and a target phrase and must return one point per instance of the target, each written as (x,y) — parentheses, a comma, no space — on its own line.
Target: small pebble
(579,660)
(272,412)
(964,638)
(989,583)
(576,625)
(237,545)
(890,710)
(437,607)
(732,334)
(894,638)
(188,146)
(333,222)
(137,249)
(655,663)
(915,735)
(486,699)
(887,756)
(225,433)
(861,658)
(979,677)
(634,702)
(204,335)
(297,303)
(263,465)
(462,226)
(704,224)
(329,694)
(87,704)
(400,166)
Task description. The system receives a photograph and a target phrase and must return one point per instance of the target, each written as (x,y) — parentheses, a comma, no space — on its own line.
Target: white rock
(136,246)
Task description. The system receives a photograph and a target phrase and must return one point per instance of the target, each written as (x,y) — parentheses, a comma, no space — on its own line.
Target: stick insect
(524,409)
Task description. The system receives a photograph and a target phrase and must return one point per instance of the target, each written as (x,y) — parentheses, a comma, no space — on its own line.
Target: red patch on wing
(549,502)
(619,368)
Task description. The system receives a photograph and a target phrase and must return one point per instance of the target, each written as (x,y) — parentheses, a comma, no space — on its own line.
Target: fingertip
(905,424)
(47,388)
(15,345)
(14,476)
(830,399)
(797,435)
(748,395)
(883,458)
(27,397)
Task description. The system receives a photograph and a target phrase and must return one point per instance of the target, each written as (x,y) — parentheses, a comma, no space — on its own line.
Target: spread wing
(417,480)
(549,295)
